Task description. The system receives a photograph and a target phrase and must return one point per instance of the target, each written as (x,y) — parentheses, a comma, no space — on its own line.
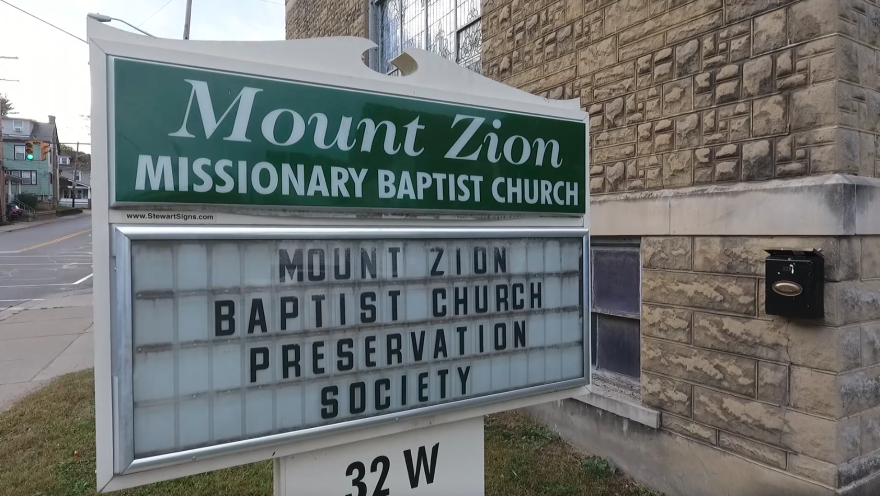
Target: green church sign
(182,135)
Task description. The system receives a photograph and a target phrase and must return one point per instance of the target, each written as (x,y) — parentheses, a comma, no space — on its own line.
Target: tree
(6,107)
(84,162)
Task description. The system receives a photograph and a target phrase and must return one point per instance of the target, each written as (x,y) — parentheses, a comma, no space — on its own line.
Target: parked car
(13,211)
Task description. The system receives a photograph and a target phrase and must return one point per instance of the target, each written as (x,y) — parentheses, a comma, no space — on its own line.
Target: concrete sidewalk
(24,225)
(40,340)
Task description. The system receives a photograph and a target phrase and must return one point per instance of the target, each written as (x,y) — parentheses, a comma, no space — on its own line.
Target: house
(79,177)
(718,131)
(38,174)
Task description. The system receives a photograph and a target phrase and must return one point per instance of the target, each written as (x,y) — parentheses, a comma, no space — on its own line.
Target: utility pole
(73,191)
(189,5)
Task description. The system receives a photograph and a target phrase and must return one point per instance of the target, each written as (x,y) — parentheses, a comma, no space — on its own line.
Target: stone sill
(826,205)
(620,406)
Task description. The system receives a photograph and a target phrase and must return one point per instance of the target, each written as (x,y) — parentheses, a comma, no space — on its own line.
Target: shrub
(28,199)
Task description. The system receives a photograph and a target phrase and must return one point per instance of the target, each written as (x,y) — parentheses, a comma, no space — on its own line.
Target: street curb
(11,311)
(38,223)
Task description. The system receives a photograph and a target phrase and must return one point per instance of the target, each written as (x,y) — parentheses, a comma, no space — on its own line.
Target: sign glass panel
(237,339)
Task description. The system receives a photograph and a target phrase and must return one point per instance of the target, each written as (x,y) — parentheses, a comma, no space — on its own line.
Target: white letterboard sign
(244,336)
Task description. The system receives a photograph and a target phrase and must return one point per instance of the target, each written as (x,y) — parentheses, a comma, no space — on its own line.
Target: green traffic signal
(29,156)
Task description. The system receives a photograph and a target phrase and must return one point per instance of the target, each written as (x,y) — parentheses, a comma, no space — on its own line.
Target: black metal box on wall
(795,283)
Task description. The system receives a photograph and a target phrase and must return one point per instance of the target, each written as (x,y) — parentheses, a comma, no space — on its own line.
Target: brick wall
(313,19)
(798,397)
(684,93)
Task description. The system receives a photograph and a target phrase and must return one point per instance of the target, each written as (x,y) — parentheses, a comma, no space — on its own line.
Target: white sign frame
(328,61)
(124,461)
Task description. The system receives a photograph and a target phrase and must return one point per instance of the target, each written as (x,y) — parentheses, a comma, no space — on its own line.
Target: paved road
(45,259)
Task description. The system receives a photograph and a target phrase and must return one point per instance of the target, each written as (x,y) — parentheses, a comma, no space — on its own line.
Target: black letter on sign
(319,276)
(289,310)
(500,343)
(442,373)
(423,386)
(329,402)
(286,363)
(434,268)
(519,302)
(461,330)
(286,267)
(460,298)
(367,305)
(258,316)
(382,404)
(419,348)
(437,309)
(415,474)
(341,276)
(394,295)
(357,398)
(319,320)
(463,377)
(536,295)
(264,363)
(316,356)
(485,305)
(394,250)
(368,262)
(393,344)
(480,260)
(440,344)
(343,354)
(501,293)
(370,347)
(221,318)
(500,259)
(519,334)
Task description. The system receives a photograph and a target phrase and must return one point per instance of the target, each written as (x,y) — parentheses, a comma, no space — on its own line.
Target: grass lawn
(47,448)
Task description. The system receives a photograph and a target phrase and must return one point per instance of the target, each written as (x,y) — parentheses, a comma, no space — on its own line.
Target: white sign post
(434,461)
(297,258)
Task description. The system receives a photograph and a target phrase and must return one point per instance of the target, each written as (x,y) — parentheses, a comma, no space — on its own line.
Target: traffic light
(44,151)
(29,151)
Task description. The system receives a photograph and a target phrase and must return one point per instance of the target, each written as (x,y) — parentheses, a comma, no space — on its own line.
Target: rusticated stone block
(770,31)
(614,176)
(835,349)
(770,116)
(703,175)
(597,185)
(687,58)
(814,106)
(813,469)
(811,19)
(687,132)
(670,18)
(870,257)
(719,370)
(678,169)
(688,428)
(672,252)
(727,294)
(678,97)
(870,422)
(815,392)
(739,48)
(741,9)
(828,440)
(669,323)
(859,391)
(757,338)
(852,302)
(757,160)
(870,343)
(727,91)
(745,256)
(597,56)
(750,449)
(624,13)
(738,415)
(666,394)
(758,76)
(727,170)
(773,383)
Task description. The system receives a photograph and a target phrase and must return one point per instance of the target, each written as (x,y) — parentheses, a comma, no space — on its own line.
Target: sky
(52,67)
